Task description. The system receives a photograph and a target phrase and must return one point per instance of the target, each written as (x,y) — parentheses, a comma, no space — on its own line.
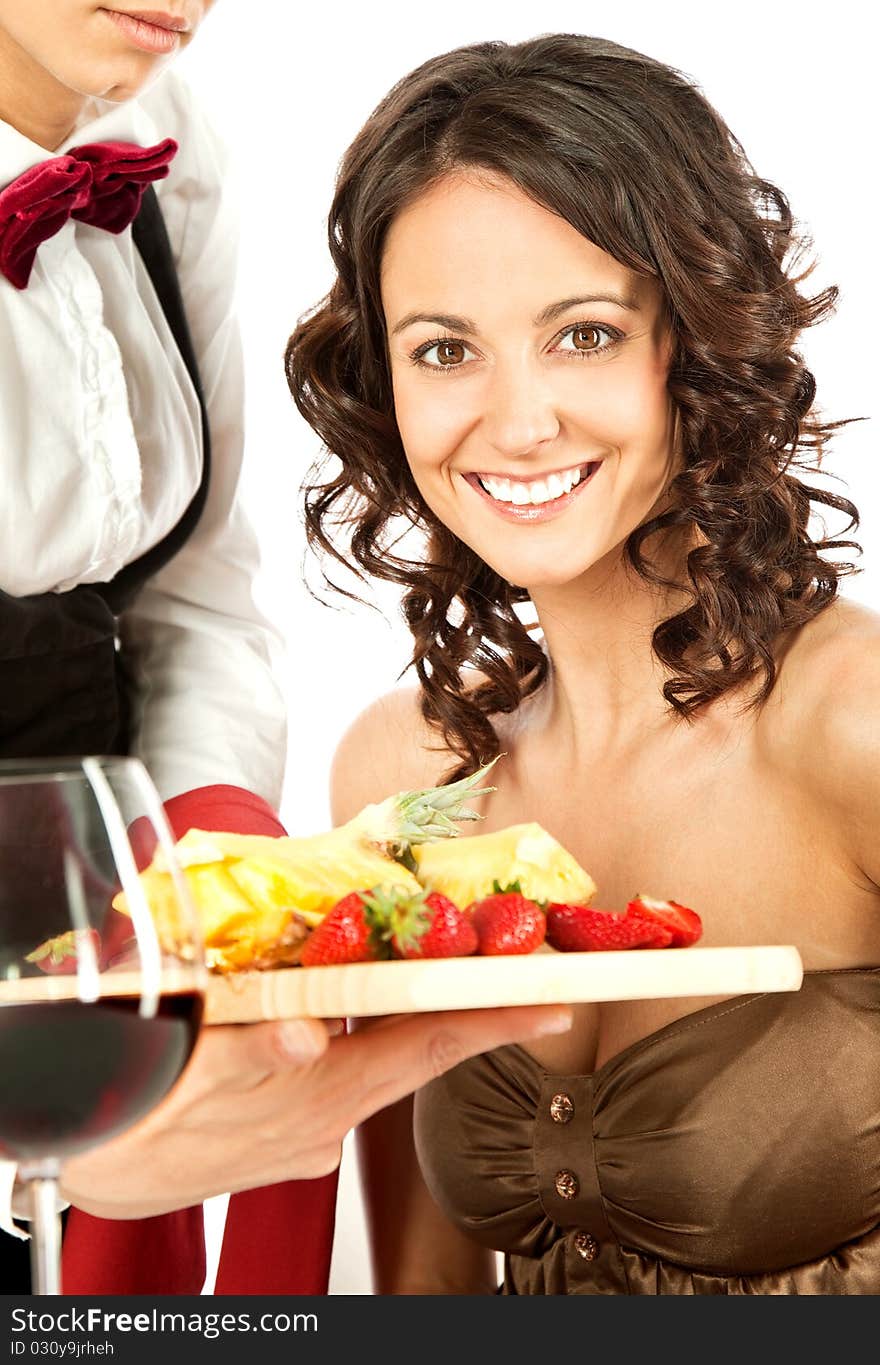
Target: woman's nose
(520,413)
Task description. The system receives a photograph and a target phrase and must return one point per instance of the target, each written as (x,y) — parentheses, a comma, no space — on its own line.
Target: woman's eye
(585,338)
(442,354)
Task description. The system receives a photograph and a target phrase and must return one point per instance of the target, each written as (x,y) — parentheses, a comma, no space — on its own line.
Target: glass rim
(17,770)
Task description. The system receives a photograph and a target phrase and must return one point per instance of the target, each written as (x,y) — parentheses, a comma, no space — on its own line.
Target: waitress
(127,623)
(120,454)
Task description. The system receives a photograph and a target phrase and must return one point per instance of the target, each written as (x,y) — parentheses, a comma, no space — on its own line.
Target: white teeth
(536,492)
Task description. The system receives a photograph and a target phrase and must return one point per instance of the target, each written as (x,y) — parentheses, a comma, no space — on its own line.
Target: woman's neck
(32,100)
(606,681)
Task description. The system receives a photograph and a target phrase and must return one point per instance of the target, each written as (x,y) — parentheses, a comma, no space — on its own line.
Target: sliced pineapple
(257,896)
(226,915)
(249,906)
(211,846)
(316,878)
(305,875)
(219,900)
(468,869)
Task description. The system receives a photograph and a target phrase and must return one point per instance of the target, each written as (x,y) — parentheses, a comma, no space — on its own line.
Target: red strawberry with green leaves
(60,956)
(507,922)
(685,925)
(429,924)
(355,930)
(580,929)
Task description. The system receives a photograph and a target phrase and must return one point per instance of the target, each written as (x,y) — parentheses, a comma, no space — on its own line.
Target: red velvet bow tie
(101,183)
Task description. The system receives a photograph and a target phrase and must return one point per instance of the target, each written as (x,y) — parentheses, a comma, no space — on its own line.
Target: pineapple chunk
(221,905)
(313,883)
(257,895)
(199,846)
(467,869)
(236,931)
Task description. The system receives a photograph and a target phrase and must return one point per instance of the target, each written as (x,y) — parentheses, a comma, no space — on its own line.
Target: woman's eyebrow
(453,323)
(554,310)
(447,320)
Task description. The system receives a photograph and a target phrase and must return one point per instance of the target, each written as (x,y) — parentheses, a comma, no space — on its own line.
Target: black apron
(63,684)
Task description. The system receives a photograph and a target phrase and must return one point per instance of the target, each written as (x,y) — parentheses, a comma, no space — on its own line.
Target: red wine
(73,1074)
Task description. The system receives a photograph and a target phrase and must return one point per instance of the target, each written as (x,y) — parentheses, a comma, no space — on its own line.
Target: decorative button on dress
(735,1151)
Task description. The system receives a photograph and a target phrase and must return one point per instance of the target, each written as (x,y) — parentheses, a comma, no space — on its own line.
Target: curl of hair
(630,153)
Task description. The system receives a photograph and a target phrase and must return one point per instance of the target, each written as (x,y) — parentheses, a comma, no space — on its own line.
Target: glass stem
(45,1232)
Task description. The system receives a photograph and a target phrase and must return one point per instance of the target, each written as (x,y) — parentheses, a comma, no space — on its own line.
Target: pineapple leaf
(406,859)
(417,817)
(432,812)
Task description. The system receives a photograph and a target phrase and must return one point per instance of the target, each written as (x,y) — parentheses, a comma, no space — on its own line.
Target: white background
(288,86)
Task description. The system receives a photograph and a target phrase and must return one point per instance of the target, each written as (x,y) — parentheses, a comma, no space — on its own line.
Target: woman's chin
(537,574)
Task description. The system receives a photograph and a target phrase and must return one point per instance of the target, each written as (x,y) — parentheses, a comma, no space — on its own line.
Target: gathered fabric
(99,183)
(734,1151)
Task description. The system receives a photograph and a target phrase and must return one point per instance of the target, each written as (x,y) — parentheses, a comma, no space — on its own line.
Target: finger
(242,1055)
(382,1064)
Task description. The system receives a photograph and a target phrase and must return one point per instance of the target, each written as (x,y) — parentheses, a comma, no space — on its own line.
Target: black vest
(63,687)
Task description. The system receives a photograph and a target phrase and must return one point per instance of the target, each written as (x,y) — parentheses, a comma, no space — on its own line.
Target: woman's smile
(529,370)
(518,498)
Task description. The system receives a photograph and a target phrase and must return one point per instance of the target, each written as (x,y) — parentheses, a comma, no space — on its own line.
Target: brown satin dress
(734,1151)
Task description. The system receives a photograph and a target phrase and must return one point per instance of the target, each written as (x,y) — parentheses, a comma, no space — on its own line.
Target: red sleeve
(231,810)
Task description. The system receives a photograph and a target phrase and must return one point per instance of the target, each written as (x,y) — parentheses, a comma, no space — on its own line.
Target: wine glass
(100,1004)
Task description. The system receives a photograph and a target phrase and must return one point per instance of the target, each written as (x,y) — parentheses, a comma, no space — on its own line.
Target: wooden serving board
(544,977)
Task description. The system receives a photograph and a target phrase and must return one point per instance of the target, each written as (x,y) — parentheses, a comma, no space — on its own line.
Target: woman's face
(529,373)
(100,50)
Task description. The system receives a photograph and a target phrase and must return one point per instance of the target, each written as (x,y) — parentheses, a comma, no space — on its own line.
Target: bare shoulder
(823,720)
(829,682)
(387,748)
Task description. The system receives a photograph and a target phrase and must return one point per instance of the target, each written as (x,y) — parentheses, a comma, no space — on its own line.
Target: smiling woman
(678,396)
(553,393)
(562,343)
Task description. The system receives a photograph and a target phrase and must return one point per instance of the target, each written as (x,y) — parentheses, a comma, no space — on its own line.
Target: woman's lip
(149,30)
(531,512)
(159,18)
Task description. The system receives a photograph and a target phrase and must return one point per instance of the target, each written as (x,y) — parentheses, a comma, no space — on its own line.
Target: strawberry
(508,922)
(355,930)
(59,956)
(431,925)
(685,925)
(580,929)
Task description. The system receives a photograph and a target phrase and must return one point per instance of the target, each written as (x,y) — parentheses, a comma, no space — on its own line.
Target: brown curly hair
(631,154)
